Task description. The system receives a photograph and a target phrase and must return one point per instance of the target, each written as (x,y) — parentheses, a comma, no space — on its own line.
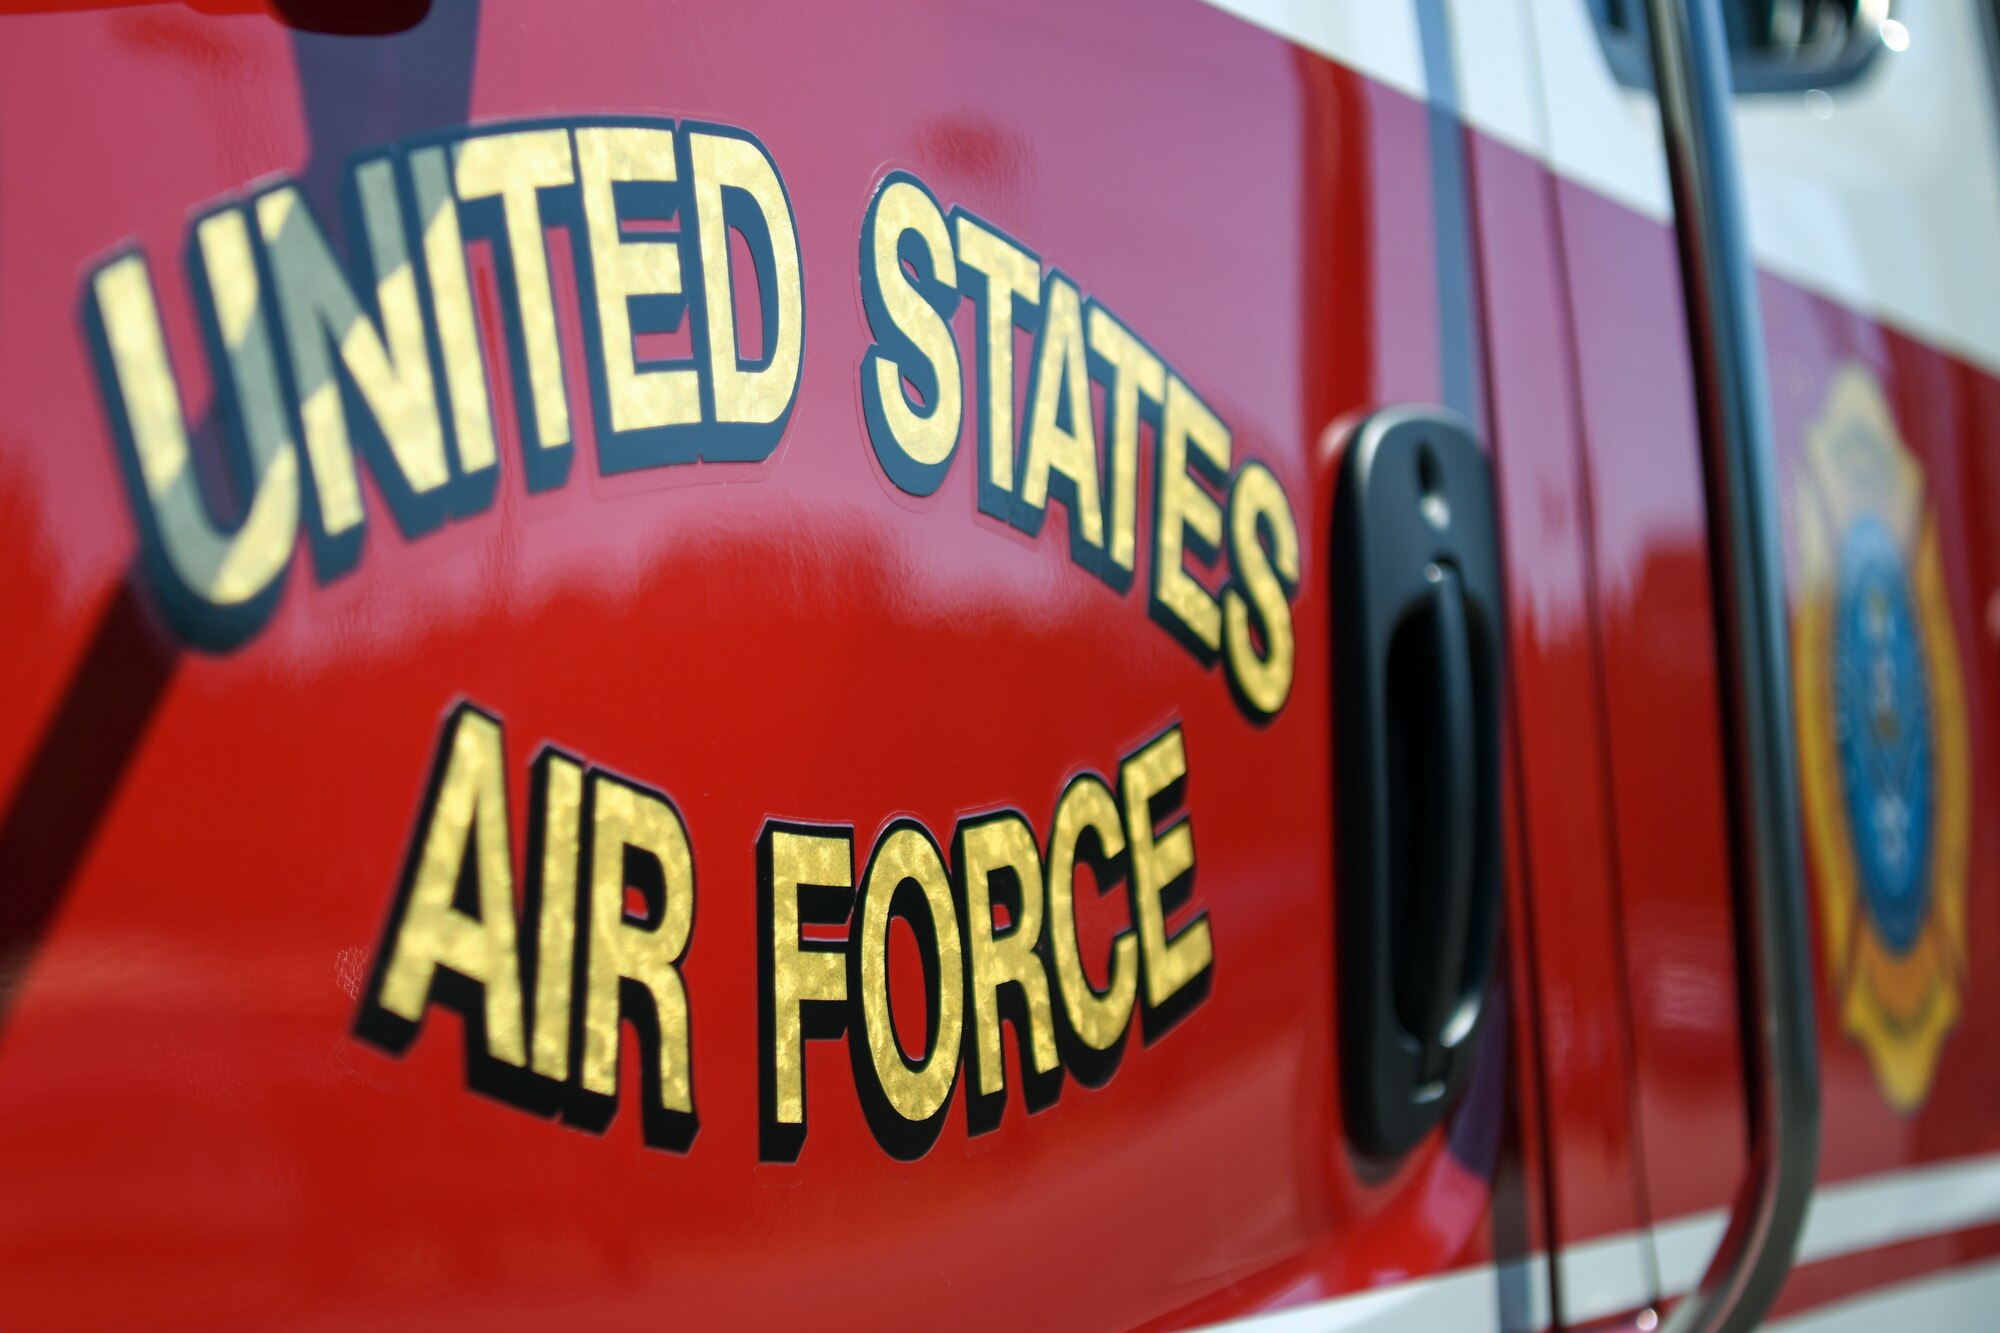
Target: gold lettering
(638,400)
(451,304)
(1161,862)
(1004,842)
(927,438)
(800,972)
(627,818)
(1097,1019)
(1133,371)
(757,397)
(1063,380)
(906,855)
(560,791)
(1185,506)
(515,168)
(220,568)
(1262,585)
(389,366)
(1011,274)
(466,817)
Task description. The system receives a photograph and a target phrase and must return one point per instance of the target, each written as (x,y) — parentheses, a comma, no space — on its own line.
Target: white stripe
(1869,1213)
(1513,1297)
(1605,1277)
(1962,1298)
(1852,1216)
(1684,1246)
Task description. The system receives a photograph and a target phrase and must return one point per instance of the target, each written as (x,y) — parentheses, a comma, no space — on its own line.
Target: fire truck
(1276,664)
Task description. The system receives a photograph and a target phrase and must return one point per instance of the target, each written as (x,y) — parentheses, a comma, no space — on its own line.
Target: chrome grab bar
(1692,78)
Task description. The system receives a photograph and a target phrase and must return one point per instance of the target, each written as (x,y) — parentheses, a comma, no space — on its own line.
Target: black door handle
(1445,794)
(1418,639)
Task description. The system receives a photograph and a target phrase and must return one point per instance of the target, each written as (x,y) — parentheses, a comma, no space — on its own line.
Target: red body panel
(203,847)
(1663,756)
(195,1136)
(1580,1012)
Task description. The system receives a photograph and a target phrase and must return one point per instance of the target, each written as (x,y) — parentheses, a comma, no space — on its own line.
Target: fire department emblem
(1882,743)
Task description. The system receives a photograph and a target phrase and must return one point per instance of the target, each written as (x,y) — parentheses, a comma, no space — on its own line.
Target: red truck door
(1869,172)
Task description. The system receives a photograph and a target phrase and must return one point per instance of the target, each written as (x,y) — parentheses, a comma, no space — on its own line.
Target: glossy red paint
(193,1134)
(1586,1065)
(1664,772)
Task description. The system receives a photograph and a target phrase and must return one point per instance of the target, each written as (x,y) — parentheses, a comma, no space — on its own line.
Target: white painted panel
(1377,38)
(1493,48)
(1601,134)
(1884,194)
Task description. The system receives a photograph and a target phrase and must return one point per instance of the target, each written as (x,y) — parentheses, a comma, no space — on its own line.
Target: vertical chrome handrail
(1692,77)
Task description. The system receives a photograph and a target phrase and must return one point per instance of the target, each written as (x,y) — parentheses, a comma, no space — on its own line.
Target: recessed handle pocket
(1418,640)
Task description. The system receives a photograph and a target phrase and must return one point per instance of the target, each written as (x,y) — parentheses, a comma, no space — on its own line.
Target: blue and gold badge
(1882,744)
